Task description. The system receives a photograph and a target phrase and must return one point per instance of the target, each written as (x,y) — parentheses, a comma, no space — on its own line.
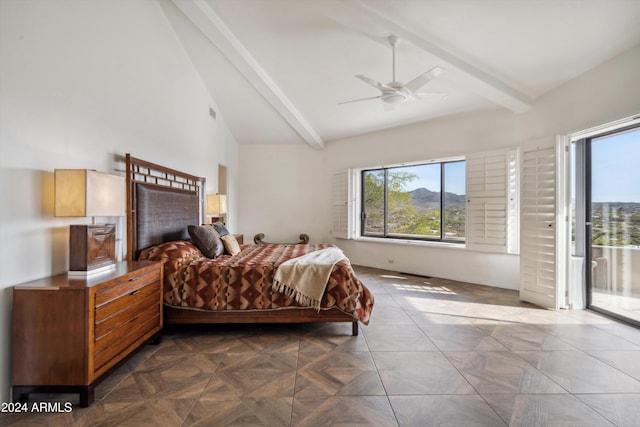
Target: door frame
(583,210)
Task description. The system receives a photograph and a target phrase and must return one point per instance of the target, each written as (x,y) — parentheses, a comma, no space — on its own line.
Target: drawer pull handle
(134,278)
(137,291)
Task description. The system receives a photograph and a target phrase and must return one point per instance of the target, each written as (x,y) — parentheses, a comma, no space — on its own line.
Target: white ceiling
(278,69)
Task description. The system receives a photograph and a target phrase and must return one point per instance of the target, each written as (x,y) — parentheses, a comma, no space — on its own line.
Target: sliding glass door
(612,222)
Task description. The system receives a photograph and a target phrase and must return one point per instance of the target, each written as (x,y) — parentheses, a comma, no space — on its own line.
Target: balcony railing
(616,269)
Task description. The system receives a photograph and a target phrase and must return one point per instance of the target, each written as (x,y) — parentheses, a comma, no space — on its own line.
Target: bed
(161,205)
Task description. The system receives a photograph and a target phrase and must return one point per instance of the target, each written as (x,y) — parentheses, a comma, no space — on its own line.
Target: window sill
(409,242)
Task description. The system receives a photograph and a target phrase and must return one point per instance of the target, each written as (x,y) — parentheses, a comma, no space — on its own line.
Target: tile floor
(436,353)
(623,305)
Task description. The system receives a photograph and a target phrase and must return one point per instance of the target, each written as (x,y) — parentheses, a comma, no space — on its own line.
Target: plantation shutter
(487,208)
(513,223)
(341,226)
(538,228)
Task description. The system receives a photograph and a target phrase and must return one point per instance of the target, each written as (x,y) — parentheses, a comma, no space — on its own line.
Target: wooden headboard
(161,203)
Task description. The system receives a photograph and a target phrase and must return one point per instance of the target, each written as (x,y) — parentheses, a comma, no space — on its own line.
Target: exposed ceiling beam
(219,34)
(360,16)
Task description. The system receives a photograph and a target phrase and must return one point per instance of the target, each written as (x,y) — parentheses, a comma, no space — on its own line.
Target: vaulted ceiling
(279,70)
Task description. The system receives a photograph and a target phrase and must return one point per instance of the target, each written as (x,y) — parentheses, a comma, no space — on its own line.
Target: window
(421,201)
(477,197)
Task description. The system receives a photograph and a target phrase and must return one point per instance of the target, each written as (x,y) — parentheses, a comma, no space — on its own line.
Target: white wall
(81,84)
(280,195)
(609,92)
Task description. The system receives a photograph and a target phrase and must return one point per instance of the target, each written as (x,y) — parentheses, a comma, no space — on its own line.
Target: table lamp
(88,193)
(216,206)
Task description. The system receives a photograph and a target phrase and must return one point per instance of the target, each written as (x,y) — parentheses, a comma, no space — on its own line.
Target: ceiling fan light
(393,99)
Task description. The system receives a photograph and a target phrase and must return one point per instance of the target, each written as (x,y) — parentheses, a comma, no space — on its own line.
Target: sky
(616,168)
(429,177)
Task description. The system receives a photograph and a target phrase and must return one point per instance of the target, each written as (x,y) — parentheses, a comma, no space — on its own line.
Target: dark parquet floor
(436,353)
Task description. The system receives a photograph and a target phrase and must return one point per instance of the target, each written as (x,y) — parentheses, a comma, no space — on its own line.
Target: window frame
(386,236)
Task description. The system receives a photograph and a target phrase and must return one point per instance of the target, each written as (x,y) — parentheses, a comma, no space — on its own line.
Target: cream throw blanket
(305,278)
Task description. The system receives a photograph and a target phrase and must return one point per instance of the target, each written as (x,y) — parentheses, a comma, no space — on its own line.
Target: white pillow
(231,244)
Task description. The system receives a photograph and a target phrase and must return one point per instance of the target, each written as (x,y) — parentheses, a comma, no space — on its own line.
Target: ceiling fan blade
(439,95)
(358,100)
(373,82)
(424,78)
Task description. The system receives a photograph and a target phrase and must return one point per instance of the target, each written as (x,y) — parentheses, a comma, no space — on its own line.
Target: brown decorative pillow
(231,244)
(220,228)
(207,240)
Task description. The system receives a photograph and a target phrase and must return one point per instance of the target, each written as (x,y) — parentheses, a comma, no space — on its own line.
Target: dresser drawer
(128,313)
(129,307)
(127,285)
(117,340)
(124,307)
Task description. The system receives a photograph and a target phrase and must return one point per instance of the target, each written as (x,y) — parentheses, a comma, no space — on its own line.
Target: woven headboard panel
(163,214)
(161,203)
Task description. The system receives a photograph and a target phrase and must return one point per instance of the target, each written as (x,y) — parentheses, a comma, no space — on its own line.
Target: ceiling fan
(395,92)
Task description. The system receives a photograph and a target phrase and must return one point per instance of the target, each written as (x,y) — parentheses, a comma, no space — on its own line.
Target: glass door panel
(615,224)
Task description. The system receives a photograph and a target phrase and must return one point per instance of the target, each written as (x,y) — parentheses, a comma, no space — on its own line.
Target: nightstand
(239,238)
(69,332)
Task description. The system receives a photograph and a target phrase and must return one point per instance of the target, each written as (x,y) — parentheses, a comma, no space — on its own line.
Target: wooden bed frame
(161,202)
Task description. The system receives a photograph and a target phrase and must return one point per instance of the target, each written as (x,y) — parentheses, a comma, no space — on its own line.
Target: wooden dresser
(69,332)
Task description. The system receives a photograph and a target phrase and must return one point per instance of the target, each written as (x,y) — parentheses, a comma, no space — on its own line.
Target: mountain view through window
(425,201)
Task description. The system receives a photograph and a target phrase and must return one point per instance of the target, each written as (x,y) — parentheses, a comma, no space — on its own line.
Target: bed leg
(354,329)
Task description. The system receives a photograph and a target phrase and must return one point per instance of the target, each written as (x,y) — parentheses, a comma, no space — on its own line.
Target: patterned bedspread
(244,281)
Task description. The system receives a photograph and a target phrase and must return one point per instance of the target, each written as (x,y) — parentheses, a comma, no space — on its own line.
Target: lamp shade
(88,193)
(216,204)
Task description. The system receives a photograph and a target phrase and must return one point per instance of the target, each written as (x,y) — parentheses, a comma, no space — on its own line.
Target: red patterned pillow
(175,255)
(179,251)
